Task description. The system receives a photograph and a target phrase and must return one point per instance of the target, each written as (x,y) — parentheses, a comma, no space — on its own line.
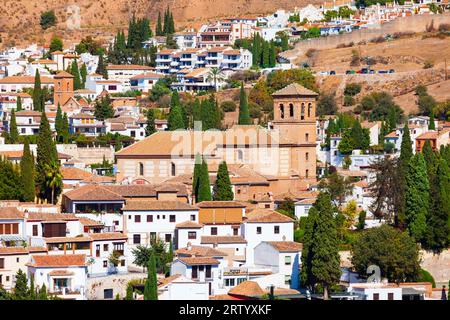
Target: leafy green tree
(10,181)
(326,104)
(18,103)
(337,186)
(20,291)
(13,132)
(76,76)
(48,19)
(175,119)
(323,260)
(394,251)
(27,173)
(46,155)
(58,123)
(53,179)
(222,190)
(38,96)
(417,197)
(346,144)
(103,108)
(361,220)
(56,44)
(151,285)
(244,116)
(150,128)
(129,294)
(438,224)
(101,68)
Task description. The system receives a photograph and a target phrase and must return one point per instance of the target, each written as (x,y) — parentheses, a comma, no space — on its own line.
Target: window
(136,239)
(302,113)
(390,296)
(149,218)
(35,230)
(214,231)
(137,218)
(240,155)
(141,169)
(287,280)
(107,293)
(229,282)
(306,137)
(287,260)
(122,263)
(235,231)
(192,217)
(17,260)
(192,235)
(97,250)
(376,296)
(276,229)
(307,156)
(309,109)
(258,230)
(168,237)
(194,272)
(105,264)
(2,263)
(172,169)
(281,111)
(306,173)
(105,247)
(291,110)
(53,230)
(23,130)
(208,272)
(172,218)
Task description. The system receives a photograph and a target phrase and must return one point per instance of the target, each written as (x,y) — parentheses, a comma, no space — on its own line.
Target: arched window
(282,111)
(240,155)
(307,174)
(302,112)
(291,110)
(173,170)
(141,169)
(309,109)
(306,137)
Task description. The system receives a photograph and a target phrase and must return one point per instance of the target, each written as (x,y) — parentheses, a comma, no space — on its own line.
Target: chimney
(189,246)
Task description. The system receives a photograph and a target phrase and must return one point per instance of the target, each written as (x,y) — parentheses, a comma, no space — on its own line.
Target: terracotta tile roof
(188,225)
(89,222)
(68,239)
(25,80)
(10,213)
(158,205)
(67,260)
(260,215)
(193,261)
(93,193)
(247,289)
(44,216)
(165,281)
(28,113)
(222,297)
(294,89)
(21,250)
(220,204)
(108,236)
(146,75)
(222,239)
(98,179)
(286,246)
(361,183)
(392,134)
(306,201)
(428,135)
(63,74)
(72,173)
(61,273)
(142,190)
(82,116)
(200,251)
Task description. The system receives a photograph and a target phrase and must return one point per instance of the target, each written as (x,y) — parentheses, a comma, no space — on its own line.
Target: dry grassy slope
(20,19)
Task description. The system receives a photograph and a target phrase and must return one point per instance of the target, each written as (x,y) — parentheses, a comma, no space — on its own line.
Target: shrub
(428,64)
(425,276)
(352,89)
(311,52)
(348,101)
(48,19)
(228,106)
(254,110)
(388,147)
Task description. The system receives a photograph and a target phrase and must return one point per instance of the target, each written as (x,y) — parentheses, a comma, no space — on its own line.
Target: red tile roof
(67,260)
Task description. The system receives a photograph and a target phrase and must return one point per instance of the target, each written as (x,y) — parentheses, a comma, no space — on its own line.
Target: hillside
(19,21)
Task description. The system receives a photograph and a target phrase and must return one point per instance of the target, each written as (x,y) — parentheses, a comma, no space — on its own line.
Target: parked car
(323,73)
(332,72)
(371,71)
(364,71)
(383,71)
(392,71)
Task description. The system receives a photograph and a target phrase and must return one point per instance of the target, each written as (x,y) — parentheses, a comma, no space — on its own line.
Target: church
(283,154)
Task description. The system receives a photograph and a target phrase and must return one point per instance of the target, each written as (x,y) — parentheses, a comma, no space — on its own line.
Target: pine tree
(101,68)
(323,251)
(438,228)
(42,295)
(38,98)
(129,294)
(196,112)
(32,291)
(175,118)
(150,128)
(272,55)
(83,75)
(417,197)
(76,76)
(65,129)
(151,286)
(13,132)
(222,190)
(244,115)
(19,103)
(10,181)
(58,123)
(204,189)
(46,155)
(266,55)
(21,286)
(306,276)
(431,159)
(27,173)
(103,108)
(196,176)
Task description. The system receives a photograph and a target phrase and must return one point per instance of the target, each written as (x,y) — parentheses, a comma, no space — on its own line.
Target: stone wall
(117,282)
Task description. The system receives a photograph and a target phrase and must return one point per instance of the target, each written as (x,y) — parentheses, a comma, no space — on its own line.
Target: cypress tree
(101,68)
(204,189)
(27,173)
(129,294)
(159,30)
(405,156)
(42,295)
(13,132)
(151,286)
(83,75)
(65,129)
(38,99)
(32,291)
(244,115)
(103,108)
(265,55)
(166,22)
(196,176)
(438,228)
(76,75)
(150,127)
(222,190)
(58,123)
(21,286)
(272,55)
(306,276)
(46,156)
(10,181)
(357,136)
(171,23)
(19,103)
(175,119)
(325,259)
(417,197)
(196,112)
(430,159)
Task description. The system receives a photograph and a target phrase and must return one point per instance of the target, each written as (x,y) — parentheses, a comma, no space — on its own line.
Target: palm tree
(216,75)
(53,177)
